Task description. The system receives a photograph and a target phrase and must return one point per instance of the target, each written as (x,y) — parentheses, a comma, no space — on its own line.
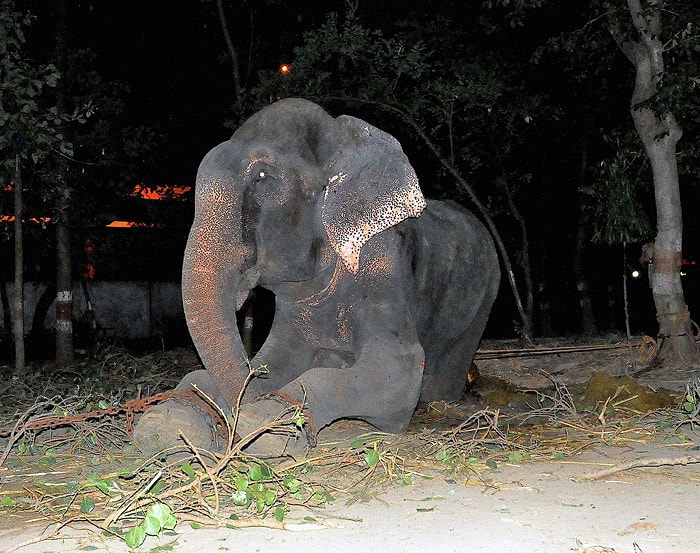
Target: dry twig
(21,427)
(562,402)
(640,463)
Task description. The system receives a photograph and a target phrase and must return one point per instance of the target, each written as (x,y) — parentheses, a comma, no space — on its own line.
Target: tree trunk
(6,309)
(231,50)
(659,132)
(525,331)
(583,289)
(18,299)
(64,293)
(64,273)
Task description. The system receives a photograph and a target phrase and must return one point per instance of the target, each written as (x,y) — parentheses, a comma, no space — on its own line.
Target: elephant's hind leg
(448,357)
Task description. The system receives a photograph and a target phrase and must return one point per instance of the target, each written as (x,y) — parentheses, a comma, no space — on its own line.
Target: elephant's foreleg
(382,388)
(186,420)
(284,356)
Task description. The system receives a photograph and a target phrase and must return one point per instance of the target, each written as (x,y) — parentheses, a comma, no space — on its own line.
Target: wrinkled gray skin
(280,205)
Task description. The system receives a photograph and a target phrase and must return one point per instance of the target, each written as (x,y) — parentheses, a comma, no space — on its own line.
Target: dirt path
(531,507)
(539,506)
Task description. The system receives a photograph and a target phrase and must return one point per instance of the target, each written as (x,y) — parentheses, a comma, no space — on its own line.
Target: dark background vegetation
(550,113)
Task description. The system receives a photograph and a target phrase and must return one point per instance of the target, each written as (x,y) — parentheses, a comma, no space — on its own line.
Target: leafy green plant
(371,457)
(107,486)
(447,456)
(255,486)
(690,406)
(619,214)
(87,505)
(518,457)
(158,518)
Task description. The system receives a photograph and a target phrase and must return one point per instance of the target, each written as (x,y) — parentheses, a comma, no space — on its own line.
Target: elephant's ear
(371,187)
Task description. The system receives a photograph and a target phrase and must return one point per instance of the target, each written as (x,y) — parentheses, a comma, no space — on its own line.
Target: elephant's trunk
(212,290)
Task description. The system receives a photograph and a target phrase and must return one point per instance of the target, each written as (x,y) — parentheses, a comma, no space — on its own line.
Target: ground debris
(466,441)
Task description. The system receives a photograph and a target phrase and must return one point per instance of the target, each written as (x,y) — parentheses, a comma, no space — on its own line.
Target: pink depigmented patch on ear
(348,237)
(349,252)
(414,201)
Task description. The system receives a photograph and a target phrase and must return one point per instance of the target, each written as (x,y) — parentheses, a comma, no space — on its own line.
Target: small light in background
(285,69)
(635,273)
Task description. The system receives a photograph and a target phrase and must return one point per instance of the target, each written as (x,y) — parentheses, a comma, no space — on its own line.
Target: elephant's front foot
(176,426)
(264,428)
(269,428)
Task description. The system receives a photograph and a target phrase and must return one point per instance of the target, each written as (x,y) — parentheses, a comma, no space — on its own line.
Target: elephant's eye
(261,176)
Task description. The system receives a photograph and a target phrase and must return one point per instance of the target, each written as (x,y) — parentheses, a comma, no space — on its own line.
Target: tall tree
(30,130)
(644,43)
(18,300)
(64,267)
(37,119)
(665,62)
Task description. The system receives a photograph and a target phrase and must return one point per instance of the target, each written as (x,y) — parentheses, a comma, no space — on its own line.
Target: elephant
(381,296)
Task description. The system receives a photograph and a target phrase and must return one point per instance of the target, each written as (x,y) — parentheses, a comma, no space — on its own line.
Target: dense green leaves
(30,128)
(158,518)
(619,213)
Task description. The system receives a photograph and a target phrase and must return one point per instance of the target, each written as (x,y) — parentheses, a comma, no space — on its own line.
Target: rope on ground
(682,331)
(528,352)
(646,349)
(695,329)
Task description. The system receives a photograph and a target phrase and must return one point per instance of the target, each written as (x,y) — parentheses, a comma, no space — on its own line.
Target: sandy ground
(536,506)
(533,507)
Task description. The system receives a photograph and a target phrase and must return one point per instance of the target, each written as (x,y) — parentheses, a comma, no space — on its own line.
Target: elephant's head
(291,192)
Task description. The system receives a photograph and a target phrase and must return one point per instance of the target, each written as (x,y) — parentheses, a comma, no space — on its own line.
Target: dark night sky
(173,63)
(173,59)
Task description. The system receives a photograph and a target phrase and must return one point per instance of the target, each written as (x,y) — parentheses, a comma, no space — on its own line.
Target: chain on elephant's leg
(197,416)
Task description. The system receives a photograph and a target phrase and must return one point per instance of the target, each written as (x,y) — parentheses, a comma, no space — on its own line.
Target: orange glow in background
(134,224)
(161,192)
(37,220)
